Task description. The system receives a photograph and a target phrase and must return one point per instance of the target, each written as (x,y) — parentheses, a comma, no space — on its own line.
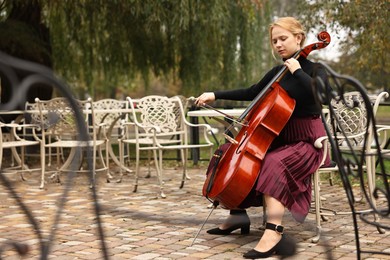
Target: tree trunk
(28,39)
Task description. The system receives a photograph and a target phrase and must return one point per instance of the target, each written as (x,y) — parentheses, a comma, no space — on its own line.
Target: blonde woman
(284,180)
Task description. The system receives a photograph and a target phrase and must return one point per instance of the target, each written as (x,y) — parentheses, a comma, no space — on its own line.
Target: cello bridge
(230,139)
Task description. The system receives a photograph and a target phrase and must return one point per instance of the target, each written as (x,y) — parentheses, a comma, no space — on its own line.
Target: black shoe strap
(277,228)
(237,211)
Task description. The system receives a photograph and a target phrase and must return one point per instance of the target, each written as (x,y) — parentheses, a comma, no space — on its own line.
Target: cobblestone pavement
(142,225)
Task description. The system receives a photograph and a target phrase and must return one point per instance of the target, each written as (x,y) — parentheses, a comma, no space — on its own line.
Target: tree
(26,37)
(185,46)
(188,44)
(366,30)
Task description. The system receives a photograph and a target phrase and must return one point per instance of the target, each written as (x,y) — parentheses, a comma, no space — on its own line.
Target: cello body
(242,160)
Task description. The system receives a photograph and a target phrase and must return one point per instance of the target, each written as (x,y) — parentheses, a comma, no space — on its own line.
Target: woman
(284,180)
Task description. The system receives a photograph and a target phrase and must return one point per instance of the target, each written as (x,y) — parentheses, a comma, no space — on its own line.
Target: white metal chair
(180,102)
(32,116)
(382,130)
(353,122)
(111,112)
(14,140)
(155,127)
(58,123)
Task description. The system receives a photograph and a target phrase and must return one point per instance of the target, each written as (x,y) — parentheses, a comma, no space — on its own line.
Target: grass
(355,179)
(383,114)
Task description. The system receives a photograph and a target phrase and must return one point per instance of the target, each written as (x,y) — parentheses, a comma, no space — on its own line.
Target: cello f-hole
(238,150)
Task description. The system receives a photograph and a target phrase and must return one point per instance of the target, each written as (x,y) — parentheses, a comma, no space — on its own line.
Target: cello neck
(262,93)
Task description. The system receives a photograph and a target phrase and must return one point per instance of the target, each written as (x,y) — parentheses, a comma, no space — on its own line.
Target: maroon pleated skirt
(287,167)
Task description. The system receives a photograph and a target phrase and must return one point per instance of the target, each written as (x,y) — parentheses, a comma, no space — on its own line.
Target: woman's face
(284,42)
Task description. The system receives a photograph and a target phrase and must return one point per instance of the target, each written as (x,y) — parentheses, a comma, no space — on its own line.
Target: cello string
(231,125)
(232,118)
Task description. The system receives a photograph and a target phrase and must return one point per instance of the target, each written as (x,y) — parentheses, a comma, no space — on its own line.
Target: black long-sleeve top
(297,85)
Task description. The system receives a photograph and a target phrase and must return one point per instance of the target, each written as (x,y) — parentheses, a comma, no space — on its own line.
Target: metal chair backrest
(156,111)
(108,110)
(57,117)
(351,115)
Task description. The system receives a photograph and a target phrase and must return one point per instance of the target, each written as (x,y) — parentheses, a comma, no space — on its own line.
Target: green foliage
(190,46)
(198,45)
(366,28)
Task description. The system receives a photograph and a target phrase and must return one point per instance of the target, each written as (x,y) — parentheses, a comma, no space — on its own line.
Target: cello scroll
(324,40)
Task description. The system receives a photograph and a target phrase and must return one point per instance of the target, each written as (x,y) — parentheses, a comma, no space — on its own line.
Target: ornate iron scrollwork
(38,74)
(353,162)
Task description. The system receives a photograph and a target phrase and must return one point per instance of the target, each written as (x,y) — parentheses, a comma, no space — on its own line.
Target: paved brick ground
(144,226)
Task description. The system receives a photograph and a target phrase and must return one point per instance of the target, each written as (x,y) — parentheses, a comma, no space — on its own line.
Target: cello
(235,166)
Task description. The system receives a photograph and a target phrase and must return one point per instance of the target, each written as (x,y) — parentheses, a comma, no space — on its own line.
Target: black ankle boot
(285,247)
(245,226)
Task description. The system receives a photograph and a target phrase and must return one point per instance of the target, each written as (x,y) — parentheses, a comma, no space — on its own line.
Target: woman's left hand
(292,65)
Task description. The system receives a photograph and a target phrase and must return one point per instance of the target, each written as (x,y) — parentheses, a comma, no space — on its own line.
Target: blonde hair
(291,24)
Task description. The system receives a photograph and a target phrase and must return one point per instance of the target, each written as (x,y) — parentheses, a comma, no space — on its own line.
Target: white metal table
(195,114)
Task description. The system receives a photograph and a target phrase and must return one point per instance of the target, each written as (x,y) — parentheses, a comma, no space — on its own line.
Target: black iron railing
(350,161)
(37,74)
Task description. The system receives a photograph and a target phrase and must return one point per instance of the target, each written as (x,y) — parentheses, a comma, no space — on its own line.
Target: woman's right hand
(206,97)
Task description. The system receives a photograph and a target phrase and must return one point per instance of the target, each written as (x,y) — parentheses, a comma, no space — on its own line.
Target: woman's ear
(299,38)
